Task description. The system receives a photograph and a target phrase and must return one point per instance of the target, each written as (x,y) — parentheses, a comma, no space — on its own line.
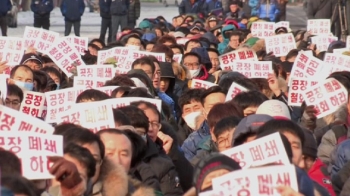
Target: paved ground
(91,21)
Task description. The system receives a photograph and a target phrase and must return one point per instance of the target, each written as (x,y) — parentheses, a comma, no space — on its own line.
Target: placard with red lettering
(15,121)
(327,96)
(234,90)
(33,150)
(257,181)
(65,56)
(80,43)
(3,86)
(121,54)
(135,54)
(39,38)
(322,41)
(253,69)
(319,26)
(177,58)
(340,50)
(259,152)
(88,83)
(307,66)
(124,68)
(96,71)
(263,29)
(92,115)
(195,83)
(211,193)
(280,45)
(226,60)
(34,104)
(182,41)
(295,93)
(284,24)
(11,50)
(59,101)
(107,89)
(337,62)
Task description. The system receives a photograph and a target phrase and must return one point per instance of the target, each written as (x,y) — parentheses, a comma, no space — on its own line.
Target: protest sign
(327,96)
(80,43)
(263,29)
(259,152)
(340,50)
(117,54)
(96,71)
(60,101)
(280,45)
(322,41)
(211,193)
(182,41)
(135,54)
(295,96)
(257,181)
(177,58)
(227,59)
(337,62)
(234,90)
(11,50)
(125,101)
(88,82)
(253,69)
(3,86)
(195,83)
(34,104)
(33,150)
(284,24)
(39,38)
(15,121)
(319,26)
(65,56)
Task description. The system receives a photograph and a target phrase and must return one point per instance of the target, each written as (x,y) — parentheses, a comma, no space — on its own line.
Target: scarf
(204,73)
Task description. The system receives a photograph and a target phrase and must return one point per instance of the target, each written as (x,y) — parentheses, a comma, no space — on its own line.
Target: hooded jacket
(318,173)
(254,6)
(222,46)
(72,10)
(41,8)
(213,4)
(5,6)
(340,156)
(268,9)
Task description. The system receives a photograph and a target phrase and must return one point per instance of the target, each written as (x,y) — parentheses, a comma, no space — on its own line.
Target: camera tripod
(339,18)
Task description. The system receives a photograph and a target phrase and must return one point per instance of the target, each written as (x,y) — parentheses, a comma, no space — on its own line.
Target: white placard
(96,71)
(295,93)
(11,50)
(89,83)
(227,59)
(39,38)
(34,104)
(323,41)
(319,26)
(337,62)
(263,29)
(253,69)
(234,90)
(284,24)
(177,58)
(135,54)
(195,83)
(80,43)
(340,50)
(280,45)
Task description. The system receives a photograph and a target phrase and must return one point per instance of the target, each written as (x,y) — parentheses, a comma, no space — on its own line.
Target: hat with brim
(31,57)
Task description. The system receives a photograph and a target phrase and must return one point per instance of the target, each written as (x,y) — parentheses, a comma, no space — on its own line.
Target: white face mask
(191,119)
(195,73)
(133,47)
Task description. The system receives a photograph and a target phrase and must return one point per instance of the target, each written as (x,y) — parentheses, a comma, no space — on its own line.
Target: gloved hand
(65,172)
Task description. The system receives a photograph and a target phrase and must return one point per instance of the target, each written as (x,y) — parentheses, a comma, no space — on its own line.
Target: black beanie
(309,145)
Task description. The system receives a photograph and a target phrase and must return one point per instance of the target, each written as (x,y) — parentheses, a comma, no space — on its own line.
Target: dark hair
(226,83)
(145,60)
(52,70)
(211,90)
(19,185)
(138,147)
(120,118)
(25,67)
(223,110)
(135,36)
(213,50)
(166,38)
(161,48)
(148,105)
(99,41)
(321,55)
(249,99)
(190,95)
(10,164)
(94,46)
(136,116)
(239,34)
(120,89)
(93,95)
(46,59)
(192,54)
(192,40)
(225,124)
(292,53)
(14,90)
(83,156)
(178,47)
(120,80)
(138,92)
(41,79)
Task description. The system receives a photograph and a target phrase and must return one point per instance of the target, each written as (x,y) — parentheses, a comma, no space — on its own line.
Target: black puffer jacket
(134,11)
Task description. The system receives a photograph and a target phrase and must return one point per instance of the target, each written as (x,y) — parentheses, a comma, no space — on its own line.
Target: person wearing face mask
(23,77)
(133,42)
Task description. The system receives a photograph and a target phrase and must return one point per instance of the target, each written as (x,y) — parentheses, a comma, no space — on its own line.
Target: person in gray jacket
(320,9)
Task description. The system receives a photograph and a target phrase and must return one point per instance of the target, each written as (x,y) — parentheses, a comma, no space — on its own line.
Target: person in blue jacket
(106,23)
(268,9)
(254,6)
(5,6)
(72,10)
(42,10)
(226,32)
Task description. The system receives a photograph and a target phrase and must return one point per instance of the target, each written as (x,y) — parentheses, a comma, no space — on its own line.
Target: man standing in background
(5,6)
(72,10)
(106,23)
(119,11)
(42,10)
(134,12)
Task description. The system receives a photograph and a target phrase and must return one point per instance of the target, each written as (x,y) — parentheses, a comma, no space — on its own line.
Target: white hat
(274,108)
(178,34)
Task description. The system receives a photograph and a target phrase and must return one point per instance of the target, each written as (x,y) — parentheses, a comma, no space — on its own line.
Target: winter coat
(235,15)
(41,8)
(134,11)
(247,10)
(184,131)
(119,7)
(295,112)
(340,156)
(305,184)
(179,87)
(222,46)
(268,10)
(205,148)
(105,6)
(190,145)
(254,6)
(340,181)
(213,4)
(199,6)
(72,10)
(144,173)
(5,6)
(318,173)
(320,9)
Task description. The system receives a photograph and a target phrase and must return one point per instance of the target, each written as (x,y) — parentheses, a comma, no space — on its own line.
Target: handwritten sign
(107,89)
(135,54)
(80,43)
(227,59)
(88,83)
(253,69)
(337,62)
(280,45)
(119,54)
(33,150)
(298,86)
(65,56)
(319,26)
(263,29)
(195,83)
(125,101)
(11,50)
(257,181)
(177,58)
(327,96)
(39,38)
(234,90)
(340,50)
(284,24)
(15,121)
(323,41)
(96,71)
(34,104)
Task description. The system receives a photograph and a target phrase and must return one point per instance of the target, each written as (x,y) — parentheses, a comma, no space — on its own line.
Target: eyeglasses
(192,65)
(155,125)
(14,102)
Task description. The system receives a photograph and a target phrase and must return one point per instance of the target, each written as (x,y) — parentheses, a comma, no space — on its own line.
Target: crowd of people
(178,150)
